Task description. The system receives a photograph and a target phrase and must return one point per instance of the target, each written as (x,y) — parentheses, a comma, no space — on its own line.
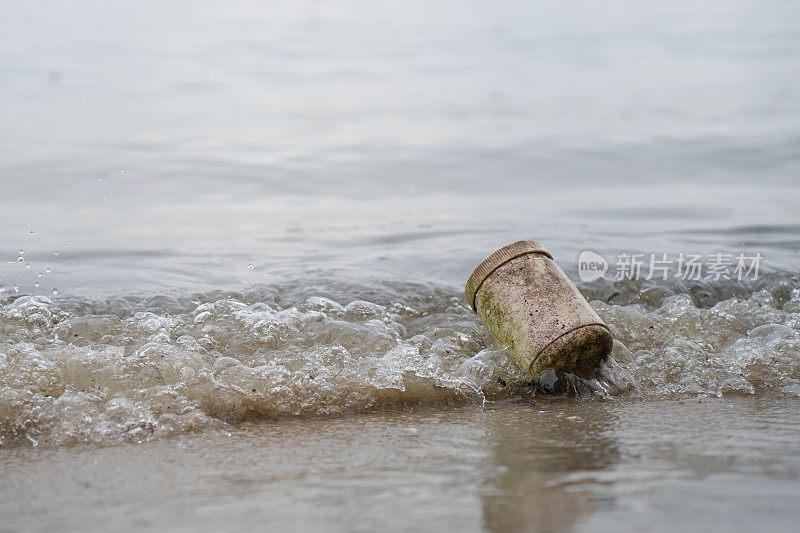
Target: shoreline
(559,465)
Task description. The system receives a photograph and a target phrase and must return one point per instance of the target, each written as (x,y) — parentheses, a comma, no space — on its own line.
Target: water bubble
(55,291)
(250,267)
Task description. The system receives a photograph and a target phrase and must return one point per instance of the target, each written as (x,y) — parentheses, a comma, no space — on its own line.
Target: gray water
(213,217)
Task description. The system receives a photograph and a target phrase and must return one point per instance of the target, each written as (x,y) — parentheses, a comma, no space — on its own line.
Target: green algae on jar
(528,304)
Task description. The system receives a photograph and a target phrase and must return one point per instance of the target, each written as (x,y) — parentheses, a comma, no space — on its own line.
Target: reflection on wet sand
(533,452)
(543,465)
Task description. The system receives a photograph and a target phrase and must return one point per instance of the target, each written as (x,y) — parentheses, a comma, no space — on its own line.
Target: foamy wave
(106,378)
(748,345)
(131,369)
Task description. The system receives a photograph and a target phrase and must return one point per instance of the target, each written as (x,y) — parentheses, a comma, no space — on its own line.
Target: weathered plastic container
(530,305)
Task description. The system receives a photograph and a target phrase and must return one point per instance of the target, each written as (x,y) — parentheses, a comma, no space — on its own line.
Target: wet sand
(547,465)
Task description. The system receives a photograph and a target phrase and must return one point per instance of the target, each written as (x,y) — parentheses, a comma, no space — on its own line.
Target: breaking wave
(136,368)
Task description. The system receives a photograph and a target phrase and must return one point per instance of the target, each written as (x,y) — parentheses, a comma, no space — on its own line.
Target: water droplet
(99,179)
(250,267)
(47,270)
(16,289)
(27,265)
(20,259)
(55,253)
(38,274)
(36,284)
(32,232)
(21,252)
(55,291)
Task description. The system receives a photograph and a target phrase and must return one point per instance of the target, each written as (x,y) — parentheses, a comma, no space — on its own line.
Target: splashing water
(132,369)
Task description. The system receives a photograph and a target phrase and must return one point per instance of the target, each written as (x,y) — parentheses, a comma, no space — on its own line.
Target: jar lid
(495,261)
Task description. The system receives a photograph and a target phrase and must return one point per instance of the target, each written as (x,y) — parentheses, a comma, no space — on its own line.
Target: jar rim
(497,259)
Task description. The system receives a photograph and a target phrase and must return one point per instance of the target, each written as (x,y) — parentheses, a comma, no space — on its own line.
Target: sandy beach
(547,465)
